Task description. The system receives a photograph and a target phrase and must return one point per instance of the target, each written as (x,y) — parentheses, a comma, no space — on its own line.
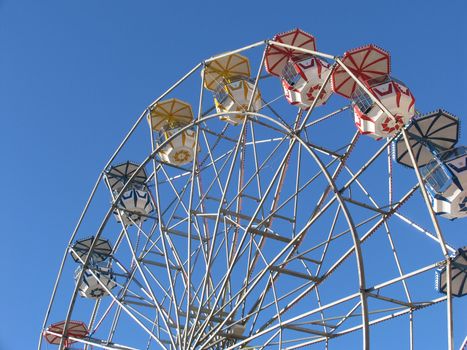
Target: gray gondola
(93,281)
(432,138)
(118,175)
(134,205)
(458,275)
(101,251)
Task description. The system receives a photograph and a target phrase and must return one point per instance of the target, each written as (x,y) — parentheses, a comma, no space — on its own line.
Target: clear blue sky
(74,75)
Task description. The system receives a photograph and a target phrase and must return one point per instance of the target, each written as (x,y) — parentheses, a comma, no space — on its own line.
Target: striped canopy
(277,57)
(169,114)
(118,175)
(366,63)
(438,130)
(102,249)
(224,69)
(75,329)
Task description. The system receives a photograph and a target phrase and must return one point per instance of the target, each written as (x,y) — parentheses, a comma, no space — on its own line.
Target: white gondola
(181,149)
(446,181)
(302,79)
(229,78)
(432,138)
(235,96)
(135,204)
(394,95)
(302,75)
(167,118)
(371,66)
(134,207)
(93,280)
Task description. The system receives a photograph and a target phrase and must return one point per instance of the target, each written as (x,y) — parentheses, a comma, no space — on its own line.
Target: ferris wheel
(274,197)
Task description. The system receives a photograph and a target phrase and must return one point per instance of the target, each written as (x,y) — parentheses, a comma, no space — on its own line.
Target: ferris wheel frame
(294,133)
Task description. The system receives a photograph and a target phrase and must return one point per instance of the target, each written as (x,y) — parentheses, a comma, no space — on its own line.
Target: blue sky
(74,75)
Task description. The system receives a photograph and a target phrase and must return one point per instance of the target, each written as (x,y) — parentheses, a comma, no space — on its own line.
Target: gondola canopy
(277,57)
(224,69)
(170,114)
(458,275)
(54,333)
(118,175)
(437,131)
(367,62)
(102,249)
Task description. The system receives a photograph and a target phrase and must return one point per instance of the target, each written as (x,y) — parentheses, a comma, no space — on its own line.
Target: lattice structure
(276,225)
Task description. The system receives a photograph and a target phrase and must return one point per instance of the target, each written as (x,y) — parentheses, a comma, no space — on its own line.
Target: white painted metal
(230,229)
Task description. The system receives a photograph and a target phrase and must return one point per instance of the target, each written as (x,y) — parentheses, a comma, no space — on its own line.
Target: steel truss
(246,238)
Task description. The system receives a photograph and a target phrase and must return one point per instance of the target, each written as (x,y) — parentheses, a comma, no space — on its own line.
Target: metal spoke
(243,242)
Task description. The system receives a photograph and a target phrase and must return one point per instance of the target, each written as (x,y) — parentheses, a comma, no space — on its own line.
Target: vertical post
(440,239)
(194,171)
(411,330)
(449,305)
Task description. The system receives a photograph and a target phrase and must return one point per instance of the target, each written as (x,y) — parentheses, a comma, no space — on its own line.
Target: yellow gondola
(167,117)
(229,78)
